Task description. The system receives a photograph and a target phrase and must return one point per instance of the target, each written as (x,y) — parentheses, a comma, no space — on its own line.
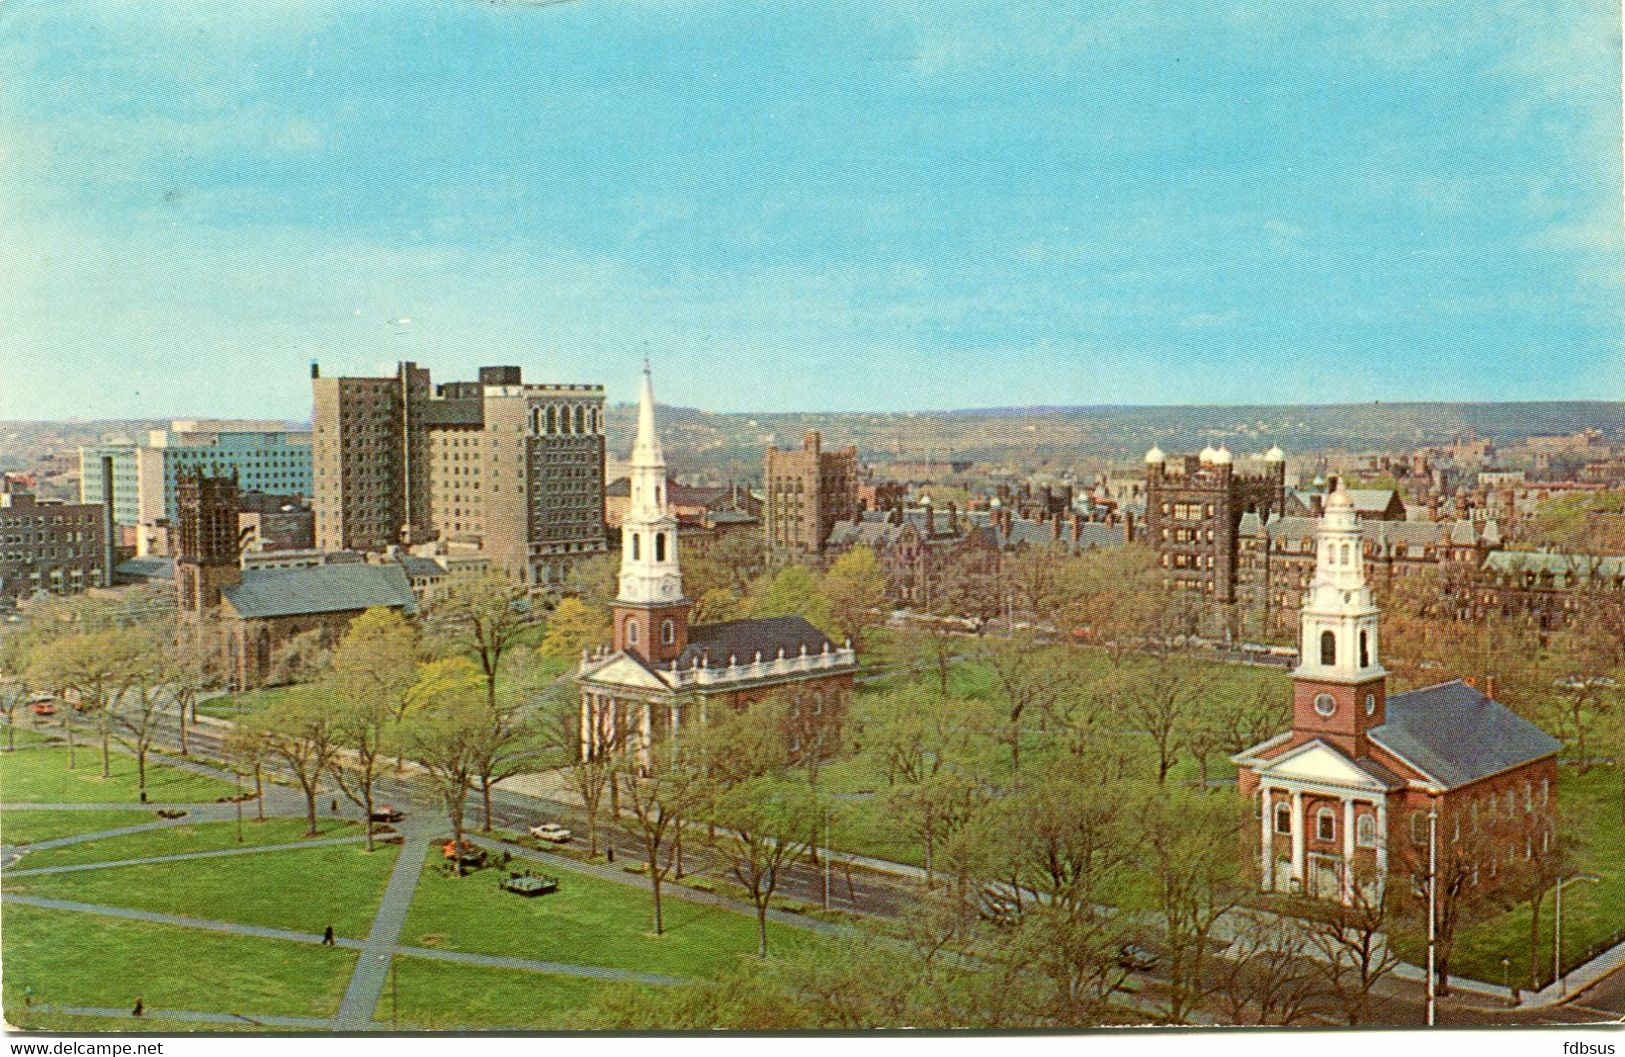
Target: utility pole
(1557,930)
(826,858)
(1433,916)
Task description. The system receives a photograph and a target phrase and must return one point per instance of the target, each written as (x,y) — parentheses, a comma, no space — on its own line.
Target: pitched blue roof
(1457,735)
(322,589)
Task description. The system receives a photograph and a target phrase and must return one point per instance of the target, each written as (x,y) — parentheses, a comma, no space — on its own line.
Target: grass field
(31,827)
(22,736)
(306,890)
(437,996)
(249,702)
(201,836)
(42,776)
(588,921)
(1593,915)
(80,960)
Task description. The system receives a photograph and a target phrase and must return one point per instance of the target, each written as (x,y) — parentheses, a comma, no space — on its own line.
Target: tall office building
(514,470)
(806,492)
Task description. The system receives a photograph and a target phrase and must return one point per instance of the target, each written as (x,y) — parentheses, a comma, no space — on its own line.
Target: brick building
(1193,515)
(660,673)
(805,493)
(513,470)
(54,547)
(1343,798)
(253,612)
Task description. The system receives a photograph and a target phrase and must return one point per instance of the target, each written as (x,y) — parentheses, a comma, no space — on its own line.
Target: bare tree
(302,732)
(1350,939)
(657,801)
(1266,975)
(768,824)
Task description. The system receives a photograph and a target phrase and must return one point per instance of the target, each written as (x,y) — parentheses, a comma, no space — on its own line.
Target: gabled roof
(742,640)
(1317,761)
(320,589)
(1456,735)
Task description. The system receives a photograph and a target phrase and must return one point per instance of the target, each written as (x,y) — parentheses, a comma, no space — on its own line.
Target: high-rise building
(1193,515)
(265,456)
(55,547)
(806,492)
(513,470)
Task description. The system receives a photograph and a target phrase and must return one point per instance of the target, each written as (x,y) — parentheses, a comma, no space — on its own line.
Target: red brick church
(1343,797)
(661,673)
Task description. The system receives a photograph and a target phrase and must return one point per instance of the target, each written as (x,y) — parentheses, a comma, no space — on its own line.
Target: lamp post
(1557,930)
(1506,976)
(826,858)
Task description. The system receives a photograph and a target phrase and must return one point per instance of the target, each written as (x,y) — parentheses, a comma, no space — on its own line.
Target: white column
(1266,826)
(587,709)
(1382,840)
(647,735)
(676,727)
(1298,841)
(1348,850)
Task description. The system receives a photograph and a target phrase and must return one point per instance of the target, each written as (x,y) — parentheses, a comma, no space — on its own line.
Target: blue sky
(840,205)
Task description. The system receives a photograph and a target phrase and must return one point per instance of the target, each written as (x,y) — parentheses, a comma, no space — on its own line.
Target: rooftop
(319,589)
(1456,735)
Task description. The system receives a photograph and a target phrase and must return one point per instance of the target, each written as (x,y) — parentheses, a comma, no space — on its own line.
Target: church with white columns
(660,673)
(1342,799)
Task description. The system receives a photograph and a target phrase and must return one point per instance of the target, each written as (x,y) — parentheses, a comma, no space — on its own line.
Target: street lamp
(1433,917)
(1506,977)
(1557,929)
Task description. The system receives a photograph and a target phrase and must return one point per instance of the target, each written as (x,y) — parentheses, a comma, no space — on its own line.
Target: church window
(1326,824)
(668,632)
(631,631)
(635,545)
(1419,827)
(552,420)
(1328,647)
(1545,790)
(1370,704)
(1283,818)
(1365,651)
(1365,831)
(660,546)
(581,422)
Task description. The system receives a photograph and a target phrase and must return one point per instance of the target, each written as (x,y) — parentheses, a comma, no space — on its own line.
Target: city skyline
(854,208)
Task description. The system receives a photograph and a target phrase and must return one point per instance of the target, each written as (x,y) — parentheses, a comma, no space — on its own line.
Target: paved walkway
(263,932)
(218,853)
(372,969)
(237,1019)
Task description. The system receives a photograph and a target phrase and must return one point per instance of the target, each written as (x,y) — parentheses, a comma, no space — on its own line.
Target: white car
(550,831)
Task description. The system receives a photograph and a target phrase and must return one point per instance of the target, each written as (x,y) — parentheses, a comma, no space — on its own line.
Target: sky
(854,205)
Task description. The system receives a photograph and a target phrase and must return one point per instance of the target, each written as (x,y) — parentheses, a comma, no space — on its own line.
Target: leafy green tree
(371,672)
(657,799)
(573,627)
(302,730)
(856,588)
(716,605)
(445,731)
(767,825)
(794,591)
(97,667)
(482,617)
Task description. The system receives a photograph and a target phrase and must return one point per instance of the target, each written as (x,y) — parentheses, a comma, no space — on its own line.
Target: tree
(575,626)
(372,669)
(96,667)
(768,824)
(856,588)
(301,730)
(507,745)
(192,663)
(657,802)
(716,605)
(298,659)
(1266,975)
(135,708)
(931,648)
(249,747)
(1115,596)
(1193,877)
(794,591)
(445,731)
(482,616)
(13,682)
(1350,941)
(1026,683)
(588,750)
(1159,696)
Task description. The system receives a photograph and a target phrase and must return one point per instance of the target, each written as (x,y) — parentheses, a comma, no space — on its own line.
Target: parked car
(385,813)
(1136,958)
(551,832)
(43,706)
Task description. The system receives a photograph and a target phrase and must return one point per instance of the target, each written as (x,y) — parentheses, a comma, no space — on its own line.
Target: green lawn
(305,890)
(588,921)
(31,827)
(42,776)
(1593,915)
(21,736)
(201,836)
(82,960)
(439,996)
(249,702)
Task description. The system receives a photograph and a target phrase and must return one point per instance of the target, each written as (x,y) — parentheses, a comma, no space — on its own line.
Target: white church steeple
(1339,617)
(649,572)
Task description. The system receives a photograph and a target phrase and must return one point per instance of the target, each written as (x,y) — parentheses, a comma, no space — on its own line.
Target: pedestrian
(139,1009)
(334,806)
(327,938)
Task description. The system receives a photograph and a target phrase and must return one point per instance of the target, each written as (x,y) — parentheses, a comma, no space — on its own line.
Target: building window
(1365,651)
(1545,791)
(1419,827)
(635,546)
(668,632)
(1325,704)
(1283,818)
(1370,704)
(1326,824)
(631,631)
(1328,648)
(660,546)
(1365,831)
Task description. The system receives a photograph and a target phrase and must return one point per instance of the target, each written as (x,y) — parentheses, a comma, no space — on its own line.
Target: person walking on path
(327,938)
(139,1009)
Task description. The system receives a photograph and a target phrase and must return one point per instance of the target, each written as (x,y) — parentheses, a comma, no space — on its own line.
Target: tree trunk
(141,772)
(654,878)
(367,797)
(485,794)
(310,809)
(259,791)
(71,757)
(761,928)
(677,849)
(107,741)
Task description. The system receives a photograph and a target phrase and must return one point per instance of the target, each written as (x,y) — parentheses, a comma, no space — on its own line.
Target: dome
(925,500)
(1208,454)
(1340,499)
(1155,456)
(1222,456)
(1275,454)
(1320,482)
(994,503)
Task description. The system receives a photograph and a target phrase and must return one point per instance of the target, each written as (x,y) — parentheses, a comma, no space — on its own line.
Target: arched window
(1328,645)
(552,420)
(1326,824)
(660,546)
(636,545)
(631,631)
(1283,818)
(581,419)
(1365,831)
(1365,651)
(1348,558)
(657,495)
(668,632)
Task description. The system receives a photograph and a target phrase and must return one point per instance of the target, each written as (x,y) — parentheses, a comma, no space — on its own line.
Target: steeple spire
(646,450)
(651,615)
